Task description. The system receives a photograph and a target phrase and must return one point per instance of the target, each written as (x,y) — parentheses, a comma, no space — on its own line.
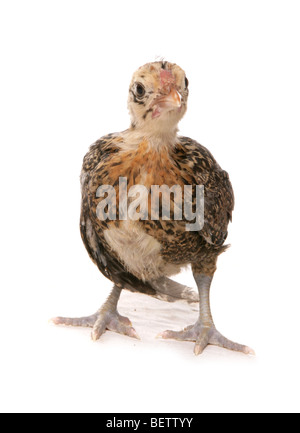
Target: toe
(123,327)
(133,334)
(98,329)
(129,331)
(115,323)
(88,321)
(249,351)
(186,335)
(218,339)
(202,341)
(124,320)
(167,334)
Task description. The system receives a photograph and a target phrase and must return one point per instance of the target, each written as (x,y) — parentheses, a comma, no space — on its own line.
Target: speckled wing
(95,165)
(218,192)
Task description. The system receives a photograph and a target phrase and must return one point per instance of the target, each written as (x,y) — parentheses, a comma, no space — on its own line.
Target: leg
(204,331)
(106,318)
(171,291)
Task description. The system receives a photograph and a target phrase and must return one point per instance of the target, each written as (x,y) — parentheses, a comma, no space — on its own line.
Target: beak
(170,101)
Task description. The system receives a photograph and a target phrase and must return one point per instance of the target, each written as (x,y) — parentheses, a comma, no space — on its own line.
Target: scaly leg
(204,331)
(106,318)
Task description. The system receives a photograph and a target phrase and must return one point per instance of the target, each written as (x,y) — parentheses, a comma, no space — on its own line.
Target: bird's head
(158,96)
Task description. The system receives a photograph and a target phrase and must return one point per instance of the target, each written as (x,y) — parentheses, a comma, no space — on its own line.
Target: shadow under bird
(141,255)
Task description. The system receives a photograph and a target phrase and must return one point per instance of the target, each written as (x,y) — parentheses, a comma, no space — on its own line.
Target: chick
(140,254)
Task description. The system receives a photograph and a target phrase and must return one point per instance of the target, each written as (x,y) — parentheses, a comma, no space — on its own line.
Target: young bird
(141,254)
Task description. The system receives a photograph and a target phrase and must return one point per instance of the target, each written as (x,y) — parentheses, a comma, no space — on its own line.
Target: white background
(65,71)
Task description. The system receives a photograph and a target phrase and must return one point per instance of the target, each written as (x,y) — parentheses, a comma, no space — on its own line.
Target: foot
(203,336)
(100,322)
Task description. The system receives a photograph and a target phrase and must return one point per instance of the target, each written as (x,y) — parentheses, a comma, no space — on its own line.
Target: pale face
(158,96)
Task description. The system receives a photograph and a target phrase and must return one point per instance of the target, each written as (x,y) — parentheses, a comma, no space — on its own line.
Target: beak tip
(172,100)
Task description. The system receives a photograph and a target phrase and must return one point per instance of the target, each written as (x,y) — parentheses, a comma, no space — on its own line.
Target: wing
(218,192)
(91,228)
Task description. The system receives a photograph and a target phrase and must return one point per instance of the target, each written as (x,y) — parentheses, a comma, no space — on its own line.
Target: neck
(157,138)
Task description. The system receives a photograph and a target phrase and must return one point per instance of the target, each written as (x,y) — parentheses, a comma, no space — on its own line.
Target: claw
(202,341)
(249,351)
(134,334)
(98,330)
(198,350)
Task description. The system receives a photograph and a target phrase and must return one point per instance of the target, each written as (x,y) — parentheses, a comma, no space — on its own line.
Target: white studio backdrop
(65,72)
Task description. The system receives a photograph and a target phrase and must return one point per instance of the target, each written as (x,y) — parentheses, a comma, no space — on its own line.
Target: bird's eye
(186,81)
(140,90)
